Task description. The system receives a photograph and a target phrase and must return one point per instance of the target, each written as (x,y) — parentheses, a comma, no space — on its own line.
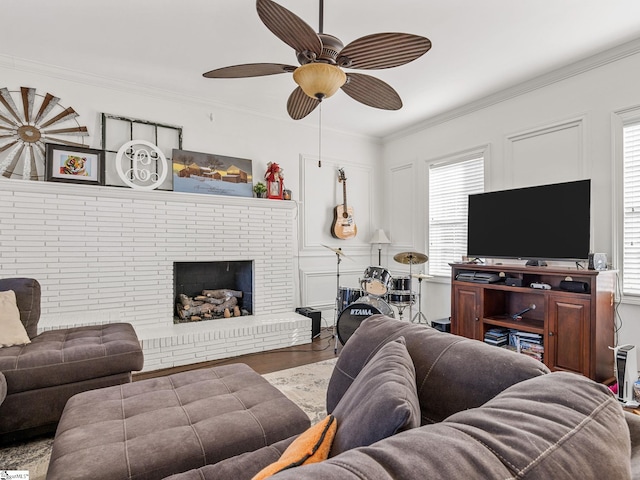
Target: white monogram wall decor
(118,130)
(141,165)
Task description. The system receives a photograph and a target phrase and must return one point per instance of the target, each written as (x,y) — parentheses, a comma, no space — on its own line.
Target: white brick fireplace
(106,254)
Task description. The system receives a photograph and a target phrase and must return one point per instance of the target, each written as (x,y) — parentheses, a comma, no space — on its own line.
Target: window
(631,209)
(450,184)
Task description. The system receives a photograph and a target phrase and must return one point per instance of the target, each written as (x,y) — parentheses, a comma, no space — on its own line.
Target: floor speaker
(315,316)
(444,324)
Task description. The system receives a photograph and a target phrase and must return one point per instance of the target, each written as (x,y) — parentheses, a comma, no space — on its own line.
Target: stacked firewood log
(210,304)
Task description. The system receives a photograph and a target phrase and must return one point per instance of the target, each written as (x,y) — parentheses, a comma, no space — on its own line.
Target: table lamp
(379,238)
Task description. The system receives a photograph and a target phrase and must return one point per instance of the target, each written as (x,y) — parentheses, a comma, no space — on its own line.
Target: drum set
(378,291)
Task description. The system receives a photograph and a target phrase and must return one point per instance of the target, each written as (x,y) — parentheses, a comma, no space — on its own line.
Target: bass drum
(352,316)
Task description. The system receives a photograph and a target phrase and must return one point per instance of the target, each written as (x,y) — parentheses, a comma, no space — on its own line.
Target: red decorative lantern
(275,181)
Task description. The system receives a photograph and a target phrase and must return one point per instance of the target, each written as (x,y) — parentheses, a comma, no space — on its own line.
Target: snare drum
(376,281)
(348,295)
(352,316)
(402,284)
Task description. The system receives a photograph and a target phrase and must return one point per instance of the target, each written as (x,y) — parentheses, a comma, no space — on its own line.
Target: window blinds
(631,210)
(450,184)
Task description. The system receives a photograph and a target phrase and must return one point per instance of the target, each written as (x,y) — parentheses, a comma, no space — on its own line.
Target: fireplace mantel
(26,186)
(106,254)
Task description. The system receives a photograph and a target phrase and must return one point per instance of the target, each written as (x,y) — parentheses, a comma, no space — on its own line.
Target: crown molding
(579,67)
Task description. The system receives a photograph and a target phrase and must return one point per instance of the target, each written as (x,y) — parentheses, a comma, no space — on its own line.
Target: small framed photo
(74,164)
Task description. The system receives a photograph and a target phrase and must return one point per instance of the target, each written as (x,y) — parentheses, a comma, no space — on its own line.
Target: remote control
(543,286)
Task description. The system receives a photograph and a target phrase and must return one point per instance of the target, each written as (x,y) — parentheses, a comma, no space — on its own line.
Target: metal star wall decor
(24,132)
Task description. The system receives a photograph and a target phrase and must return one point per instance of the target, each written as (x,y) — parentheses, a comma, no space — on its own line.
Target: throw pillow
(311,446)
(12,331)
(381,401)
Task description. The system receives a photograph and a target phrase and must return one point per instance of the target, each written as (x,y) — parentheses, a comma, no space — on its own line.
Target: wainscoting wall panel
(321,192)
(403,215)
(558,148)
(320,288)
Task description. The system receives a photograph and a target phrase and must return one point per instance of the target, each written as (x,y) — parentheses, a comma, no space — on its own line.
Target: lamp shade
(379,237)
(319,80)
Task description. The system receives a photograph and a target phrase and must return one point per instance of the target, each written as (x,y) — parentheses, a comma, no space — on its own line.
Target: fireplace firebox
(210,290)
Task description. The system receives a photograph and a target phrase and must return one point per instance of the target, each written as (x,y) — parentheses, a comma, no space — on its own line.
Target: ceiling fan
(322,58)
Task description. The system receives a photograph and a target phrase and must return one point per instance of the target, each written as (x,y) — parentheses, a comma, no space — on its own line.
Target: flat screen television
(546,222)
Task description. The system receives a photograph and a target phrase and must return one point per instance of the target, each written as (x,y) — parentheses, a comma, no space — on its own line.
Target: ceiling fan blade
(249,70)
(300,104)
(288,27)
(383,50)
(372,92)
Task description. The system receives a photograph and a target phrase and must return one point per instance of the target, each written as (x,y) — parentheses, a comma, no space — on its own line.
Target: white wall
(554,128)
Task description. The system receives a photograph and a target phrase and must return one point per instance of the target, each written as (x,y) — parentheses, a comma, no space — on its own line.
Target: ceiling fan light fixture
(322,57)
(319,80)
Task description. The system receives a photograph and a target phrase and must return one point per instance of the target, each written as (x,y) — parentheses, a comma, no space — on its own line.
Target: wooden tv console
(577,328)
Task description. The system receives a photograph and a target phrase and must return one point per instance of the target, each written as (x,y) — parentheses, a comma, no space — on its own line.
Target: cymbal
(421,275)
(412,258)
(335,250)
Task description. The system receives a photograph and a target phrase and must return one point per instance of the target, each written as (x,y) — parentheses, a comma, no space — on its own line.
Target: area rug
(31,456)
(305,385)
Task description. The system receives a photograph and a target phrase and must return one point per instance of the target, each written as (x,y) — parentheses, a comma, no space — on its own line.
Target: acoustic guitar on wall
(344,226)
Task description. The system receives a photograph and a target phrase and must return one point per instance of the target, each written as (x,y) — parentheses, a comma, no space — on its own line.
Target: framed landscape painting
(195,172)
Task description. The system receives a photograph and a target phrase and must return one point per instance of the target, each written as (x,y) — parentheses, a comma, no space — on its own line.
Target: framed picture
(196,172)
(74,164)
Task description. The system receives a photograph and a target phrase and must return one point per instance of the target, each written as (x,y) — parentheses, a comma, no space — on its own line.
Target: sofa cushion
(161,426)
(3,387)
(380,402)
(12,331)
(24,415)
(559,426)
(633,423)
(63,356)
(28,294)
(240,467)
(452,373)
(311,446)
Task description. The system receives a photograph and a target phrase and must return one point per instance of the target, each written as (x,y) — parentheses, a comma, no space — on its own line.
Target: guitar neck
(344,193)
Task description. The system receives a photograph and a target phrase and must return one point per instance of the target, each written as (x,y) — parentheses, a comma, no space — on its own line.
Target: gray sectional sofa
(39,377)
(484,413)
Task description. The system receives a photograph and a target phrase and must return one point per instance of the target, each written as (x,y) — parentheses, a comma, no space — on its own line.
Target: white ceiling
(479,47)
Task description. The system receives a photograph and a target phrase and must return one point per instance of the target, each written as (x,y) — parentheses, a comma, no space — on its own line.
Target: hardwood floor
(321,348)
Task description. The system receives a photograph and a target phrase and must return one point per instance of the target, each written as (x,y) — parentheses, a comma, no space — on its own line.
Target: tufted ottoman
(161,426)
